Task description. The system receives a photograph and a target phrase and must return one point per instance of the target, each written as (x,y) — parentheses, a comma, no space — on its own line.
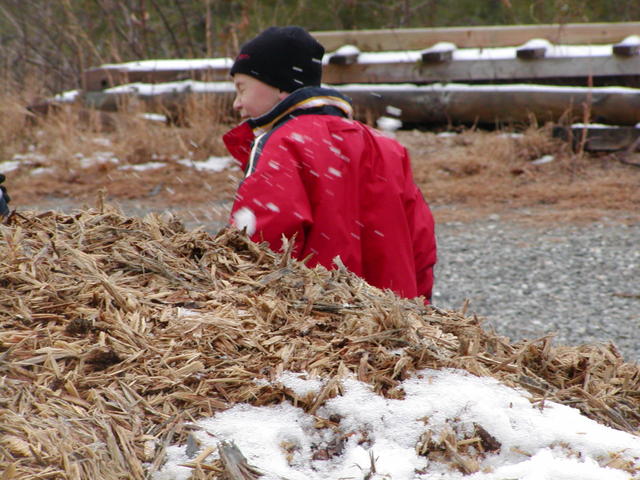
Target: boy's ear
(282,94)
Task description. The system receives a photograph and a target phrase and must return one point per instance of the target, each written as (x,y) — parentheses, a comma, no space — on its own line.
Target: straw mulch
(116,333)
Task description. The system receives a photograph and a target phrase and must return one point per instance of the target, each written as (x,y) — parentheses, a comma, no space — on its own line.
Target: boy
(311,171)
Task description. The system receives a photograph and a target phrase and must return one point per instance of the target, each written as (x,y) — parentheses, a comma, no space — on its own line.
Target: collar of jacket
(318,100)
(322,100)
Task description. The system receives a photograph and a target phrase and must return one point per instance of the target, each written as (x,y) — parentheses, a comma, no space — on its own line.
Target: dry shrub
(191,130)
(536,142)
(68,154)
(14,119)
(206,117)
(70,132)
(466,167)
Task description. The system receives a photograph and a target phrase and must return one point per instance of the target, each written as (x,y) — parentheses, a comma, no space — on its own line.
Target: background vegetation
(49,42)
(60,161)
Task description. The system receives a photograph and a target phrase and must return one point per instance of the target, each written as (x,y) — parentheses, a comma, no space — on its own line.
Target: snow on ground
(30,159)
(538,442)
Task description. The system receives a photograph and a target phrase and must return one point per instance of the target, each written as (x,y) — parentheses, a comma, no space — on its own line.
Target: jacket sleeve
(272,201)
(423,236)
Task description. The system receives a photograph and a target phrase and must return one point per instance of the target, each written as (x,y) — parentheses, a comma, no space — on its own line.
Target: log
(159,98)
(431,104)
(480,37)
(497,104)
(155,71)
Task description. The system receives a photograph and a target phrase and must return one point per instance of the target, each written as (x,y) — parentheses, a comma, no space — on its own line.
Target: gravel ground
(580,282)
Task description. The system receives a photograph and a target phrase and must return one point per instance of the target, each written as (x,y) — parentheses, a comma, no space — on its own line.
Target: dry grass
(54,151)
(116,333)
(474,173)
(492,172)
(68,131)
(15,134)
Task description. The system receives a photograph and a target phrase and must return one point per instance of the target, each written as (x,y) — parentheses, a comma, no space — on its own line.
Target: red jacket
(343,188)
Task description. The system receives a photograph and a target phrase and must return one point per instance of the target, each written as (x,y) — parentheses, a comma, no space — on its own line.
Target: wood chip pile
(116,333)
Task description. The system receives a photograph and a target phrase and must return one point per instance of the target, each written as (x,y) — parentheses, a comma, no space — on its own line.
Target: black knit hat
(287,58)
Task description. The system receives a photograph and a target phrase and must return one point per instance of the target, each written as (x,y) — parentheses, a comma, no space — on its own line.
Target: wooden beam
(346,55)
(629,47)
(623,35)
(480,37)
(533,50)
(440,52)
(626,50)
(488,70)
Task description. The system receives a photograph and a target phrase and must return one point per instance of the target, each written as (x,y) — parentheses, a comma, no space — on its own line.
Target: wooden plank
(498,70)
(481,37)
(440,52)
(533,50)
(346,55)
(626,50)
(599,138)
(433,104)
(408,68)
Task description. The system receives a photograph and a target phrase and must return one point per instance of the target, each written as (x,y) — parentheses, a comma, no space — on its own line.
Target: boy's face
(253,97)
